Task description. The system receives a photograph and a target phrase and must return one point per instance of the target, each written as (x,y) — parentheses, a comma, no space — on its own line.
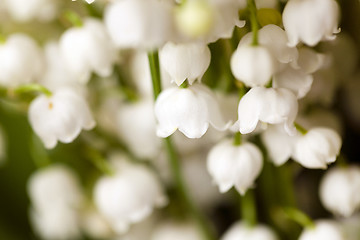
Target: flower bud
(185,61)
(323,230)
(231,165)
(239,231)
(310,21)
(190,110)
(59,117)
(339,190)
(317,148)
(269,105)
(253,65)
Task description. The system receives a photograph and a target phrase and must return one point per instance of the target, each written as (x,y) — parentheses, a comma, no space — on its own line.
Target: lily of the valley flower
(138,23)
(317,148)
(296,80)
(339,190)
(20,61)
(268,105)
(185,61)
(310,21)
(56,199)
(23,11)
(231,165)
(190,110)
(253,65)
(323,230)
(240,231)
(88,49)
(59,117)
(128,196)
(275,40)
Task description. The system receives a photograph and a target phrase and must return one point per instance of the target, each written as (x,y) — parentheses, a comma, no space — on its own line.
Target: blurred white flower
(128,196)
(240,231)
(295,80)
(309,60)
(275,40)
(177,231)
(190,110)
(136,125)
(56,198)
(339,190)
(194,18)
(199,181)
(95,225)
(323,230)
(21,60)
(139,24)
(232,165)
(278,143)
(88,49)
(56,74)
(54,186)
(56,223)
(310,21)
(253,65)
(317,148)
(185,61)
(26,10)
(268,105)
(59,117)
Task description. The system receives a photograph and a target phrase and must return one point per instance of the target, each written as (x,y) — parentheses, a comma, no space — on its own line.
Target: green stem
(300,217)
(73,18)
(99,161)
(155,72)
(248,208)
(237,139)
(254,22)
(33,87)
(174,158)
(300,128)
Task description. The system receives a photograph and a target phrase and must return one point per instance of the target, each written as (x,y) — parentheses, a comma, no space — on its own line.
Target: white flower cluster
(241,80)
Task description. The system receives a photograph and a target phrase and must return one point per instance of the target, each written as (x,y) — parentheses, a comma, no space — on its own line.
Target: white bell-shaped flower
(59,117)
(95,225)
(55,186)
(139,135)
(21,60)
(88,49)
(226,18)
(323,230)
(232,165)
(240,231)
(138,23)
(296,80)
(185,61)
(310,21)
(278,143)
(268,105)
(57,198)
(275,40)
(317,148)
(190,110)
(309,60)
(176,231)
(339,190)
(128,196)
(56,223)
(253,65)
(56,74)
(23,11)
